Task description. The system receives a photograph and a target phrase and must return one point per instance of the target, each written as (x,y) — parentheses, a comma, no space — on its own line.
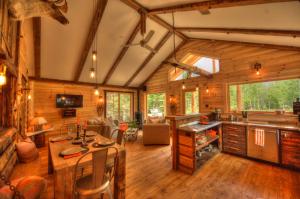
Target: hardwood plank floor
(149,176)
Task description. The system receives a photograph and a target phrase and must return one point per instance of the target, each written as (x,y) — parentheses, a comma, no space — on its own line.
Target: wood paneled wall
(236,66)
(44,97)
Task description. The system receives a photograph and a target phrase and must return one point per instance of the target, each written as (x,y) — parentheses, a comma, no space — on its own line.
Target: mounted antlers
(24,9)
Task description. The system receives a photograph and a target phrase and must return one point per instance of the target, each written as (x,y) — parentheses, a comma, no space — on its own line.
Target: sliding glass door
(119,105)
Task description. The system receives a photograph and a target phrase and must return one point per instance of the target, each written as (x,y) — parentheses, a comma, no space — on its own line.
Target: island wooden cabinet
(234,139)
(290,149)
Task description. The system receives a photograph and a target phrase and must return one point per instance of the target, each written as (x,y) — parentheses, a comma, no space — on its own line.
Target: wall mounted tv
(69,101)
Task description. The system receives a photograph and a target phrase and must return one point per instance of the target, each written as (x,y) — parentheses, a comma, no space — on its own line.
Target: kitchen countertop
(195,127)
(268,125)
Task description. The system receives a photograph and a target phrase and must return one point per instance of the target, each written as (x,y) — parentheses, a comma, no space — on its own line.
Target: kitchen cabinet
(290,148)
(196,144)
(8,33)
(234,139)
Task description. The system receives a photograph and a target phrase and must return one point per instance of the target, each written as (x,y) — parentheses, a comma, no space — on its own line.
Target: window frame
(120,92)
(183,98)
(165,102)
(252,82)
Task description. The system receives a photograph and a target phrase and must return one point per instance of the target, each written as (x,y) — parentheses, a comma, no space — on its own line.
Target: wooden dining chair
(91,179)
(118,136)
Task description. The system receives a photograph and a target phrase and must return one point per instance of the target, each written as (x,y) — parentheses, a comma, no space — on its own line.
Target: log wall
(44,101)
(236,66)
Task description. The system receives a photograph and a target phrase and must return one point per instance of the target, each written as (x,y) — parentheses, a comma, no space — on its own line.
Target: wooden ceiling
(64,52)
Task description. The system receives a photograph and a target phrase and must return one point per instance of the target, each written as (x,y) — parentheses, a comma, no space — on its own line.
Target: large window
(119,105)
(156,104)
(264,96)
(191,101)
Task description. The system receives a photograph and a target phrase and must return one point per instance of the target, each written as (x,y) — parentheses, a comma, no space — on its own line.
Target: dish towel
(260,137)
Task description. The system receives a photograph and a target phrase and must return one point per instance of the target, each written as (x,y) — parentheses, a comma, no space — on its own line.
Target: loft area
(149,99)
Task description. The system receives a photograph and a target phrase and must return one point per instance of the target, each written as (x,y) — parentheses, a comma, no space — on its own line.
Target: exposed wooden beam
(163,62)
(77,83)
(122,53)
(189,68)
(138,7)
(260,45)
(37,45)
(212,5)
(149,57)
(288,33)
(91,36)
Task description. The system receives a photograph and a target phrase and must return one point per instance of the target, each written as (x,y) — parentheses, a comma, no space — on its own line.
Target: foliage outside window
(156,104)
(119,106)
(191,100)
(264,96)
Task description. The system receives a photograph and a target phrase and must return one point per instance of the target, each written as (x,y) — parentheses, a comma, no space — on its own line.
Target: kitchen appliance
(263,143)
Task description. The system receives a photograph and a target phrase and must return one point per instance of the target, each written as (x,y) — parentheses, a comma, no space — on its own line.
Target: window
(156,104)
(207,64)
(119,105)
(264,96)
(191,102)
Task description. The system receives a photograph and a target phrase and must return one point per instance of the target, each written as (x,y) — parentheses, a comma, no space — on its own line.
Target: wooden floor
(149,176)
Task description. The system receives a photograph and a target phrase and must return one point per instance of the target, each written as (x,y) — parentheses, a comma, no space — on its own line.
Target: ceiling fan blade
(148,37)
(149,48)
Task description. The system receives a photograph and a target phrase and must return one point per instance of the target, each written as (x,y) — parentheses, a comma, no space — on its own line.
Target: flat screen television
(69,101)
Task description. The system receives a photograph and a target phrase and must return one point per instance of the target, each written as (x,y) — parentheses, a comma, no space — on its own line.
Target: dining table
(63,169)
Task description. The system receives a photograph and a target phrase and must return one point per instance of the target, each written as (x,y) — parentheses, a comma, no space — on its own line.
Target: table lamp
(37,123)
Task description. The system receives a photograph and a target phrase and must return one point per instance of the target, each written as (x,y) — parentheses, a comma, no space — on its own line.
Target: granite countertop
(195,127)
(268,125)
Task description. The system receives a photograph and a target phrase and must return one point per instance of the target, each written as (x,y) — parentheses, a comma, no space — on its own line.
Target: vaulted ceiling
(65,51)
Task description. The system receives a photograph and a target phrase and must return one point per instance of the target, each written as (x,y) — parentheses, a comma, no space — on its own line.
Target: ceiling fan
(144,42)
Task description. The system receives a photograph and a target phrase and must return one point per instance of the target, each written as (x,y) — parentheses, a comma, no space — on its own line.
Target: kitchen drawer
(233,136)
(241,143)
(234,128)
(234,149)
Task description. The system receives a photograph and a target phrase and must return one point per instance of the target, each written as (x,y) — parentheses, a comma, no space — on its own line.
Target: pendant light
(92,73)
(96,92)
(94,53)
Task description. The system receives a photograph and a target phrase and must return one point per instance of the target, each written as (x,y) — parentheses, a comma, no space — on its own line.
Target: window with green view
(156,104)
(191,99)
(265,96)
(119,106)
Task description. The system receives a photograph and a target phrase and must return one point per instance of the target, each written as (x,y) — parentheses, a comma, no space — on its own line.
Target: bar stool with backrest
(91,179)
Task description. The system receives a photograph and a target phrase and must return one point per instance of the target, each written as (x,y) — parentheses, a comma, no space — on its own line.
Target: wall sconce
(183,86)
(207,89)
(257,67)
(172,100)
(2,75)
(25,90)
(100,106)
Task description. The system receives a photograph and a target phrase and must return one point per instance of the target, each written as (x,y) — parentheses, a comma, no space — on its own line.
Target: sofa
(156,132)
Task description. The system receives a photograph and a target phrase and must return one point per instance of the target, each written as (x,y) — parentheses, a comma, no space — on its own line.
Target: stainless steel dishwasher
(263,143)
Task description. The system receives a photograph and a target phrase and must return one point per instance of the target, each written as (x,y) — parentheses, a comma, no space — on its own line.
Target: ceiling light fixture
(94,55)
(96,92)
(92,73)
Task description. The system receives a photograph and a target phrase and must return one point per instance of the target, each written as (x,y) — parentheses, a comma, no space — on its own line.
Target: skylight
(208,64)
